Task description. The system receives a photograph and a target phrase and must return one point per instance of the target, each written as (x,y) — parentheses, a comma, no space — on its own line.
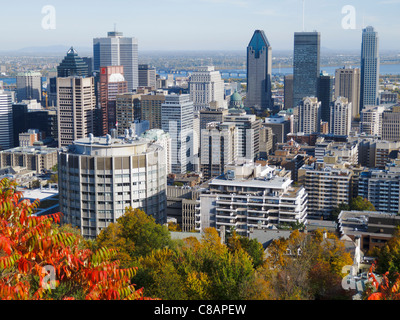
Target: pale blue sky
(197,24)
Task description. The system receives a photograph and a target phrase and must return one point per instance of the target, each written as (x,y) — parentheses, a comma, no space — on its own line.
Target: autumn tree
(32,246)
(135,234)
(306,266)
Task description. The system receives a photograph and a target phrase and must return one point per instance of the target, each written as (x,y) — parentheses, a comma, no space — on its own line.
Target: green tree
(136,234)
(361,204)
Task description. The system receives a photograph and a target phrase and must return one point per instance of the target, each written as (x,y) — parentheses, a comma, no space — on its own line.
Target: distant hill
(55,50)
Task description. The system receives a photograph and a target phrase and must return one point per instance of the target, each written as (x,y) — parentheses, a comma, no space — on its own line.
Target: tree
(251,246)
(361,204)
(136,234)
(32,246)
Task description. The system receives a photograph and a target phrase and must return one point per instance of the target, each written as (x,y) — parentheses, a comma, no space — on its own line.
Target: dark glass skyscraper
(259,65)
(325,94)
(72,65)
(369,84)
(306,65)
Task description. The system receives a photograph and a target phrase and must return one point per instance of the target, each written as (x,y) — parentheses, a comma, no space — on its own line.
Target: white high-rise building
(205,86)
(369,85)
(219,147)
(6,121)
(249,196)
(340,117)
(347,84)
(177,120)
(371,120)
(309,111)
(117,50)
(101,176)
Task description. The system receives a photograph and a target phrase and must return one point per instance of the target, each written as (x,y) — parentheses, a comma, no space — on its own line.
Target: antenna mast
(303,15)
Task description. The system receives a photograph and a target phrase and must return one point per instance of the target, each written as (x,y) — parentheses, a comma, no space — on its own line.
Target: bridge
(224,73)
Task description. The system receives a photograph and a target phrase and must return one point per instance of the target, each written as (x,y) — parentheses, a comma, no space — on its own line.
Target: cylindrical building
(100,176)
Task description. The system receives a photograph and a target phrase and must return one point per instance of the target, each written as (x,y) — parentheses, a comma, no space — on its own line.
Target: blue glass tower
(369,84)
(259,65)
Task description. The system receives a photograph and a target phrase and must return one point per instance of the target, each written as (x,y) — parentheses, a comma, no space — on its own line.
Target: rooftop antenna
(115,27)
(303,15)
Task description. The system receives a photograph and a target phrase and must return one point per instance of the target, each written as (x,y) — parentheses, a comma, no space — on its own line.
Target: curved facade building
(100,176)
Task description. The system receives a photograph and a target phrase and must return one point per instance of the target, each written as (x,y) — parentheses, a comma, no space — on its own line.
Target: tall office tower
(89,62)
(127,110)
(325,94)
(29,86)
(249,133)
(147,76)
(259,68)
(309,115)
(205,86)
(340,117)
(288,91)
(177,120)
(111,84)
(25,118)
(371,120)
(72,65)
(306,65)
(347,84)
(76,103)
(391,124)
(114,173)
(6,121)
(150,106)
(219,143)
(369,85)
(117,50)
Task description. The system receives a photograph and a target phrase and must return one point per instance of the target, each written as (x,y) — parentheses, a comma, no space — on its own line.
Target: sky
(197,24)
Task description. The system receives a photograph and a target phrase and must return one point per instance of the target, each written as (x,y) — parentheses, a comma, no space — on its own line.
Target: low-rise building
(250,196)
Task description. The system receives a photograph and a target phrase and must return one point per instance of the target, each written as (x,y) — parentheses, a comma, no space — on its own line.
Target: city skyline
(217,24)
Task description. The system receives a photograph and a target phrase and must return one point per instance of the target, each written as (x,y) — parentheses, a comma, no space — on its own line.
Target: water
(385,69)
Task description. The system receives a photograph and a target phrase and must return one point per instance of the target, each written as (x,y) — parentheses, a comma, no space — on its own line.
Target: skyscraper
(76,103)
(177,120)
(147,76)
(325,94)
(259,67)
(219,144)
(309,115)
(340,117)
(111,84)
(6,120)
(369,68)
(72,65)
(347,84)
(288,91)
(117,50)
(306,65)
(205,86)
(29,86)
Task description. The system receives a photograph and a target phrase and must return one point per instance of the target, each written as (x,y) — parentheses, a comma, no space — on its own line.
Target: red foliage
(29,243)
